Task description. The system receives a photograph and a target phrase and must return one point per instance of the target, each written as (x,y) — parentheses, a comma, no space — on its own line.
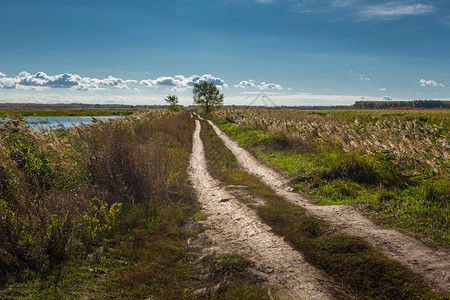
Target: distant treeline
(416,104)
(73,106)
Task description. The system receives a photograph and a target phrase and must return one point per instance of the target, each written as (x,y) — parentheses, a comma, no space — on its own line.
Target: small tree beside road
(207,95)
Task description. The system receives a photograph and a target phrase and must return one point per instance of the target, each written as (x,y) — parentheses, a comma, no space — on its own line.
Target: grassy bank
(99,211)
(359,269)
(395,163)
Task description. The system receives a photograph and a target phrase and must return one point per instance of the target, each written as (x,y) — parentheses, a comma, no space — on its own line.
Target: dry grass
(413,137)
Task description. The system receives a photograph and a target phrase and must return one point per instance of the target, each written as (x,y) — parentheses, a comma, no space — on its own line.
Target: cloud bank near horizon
(261,86)
(42,81)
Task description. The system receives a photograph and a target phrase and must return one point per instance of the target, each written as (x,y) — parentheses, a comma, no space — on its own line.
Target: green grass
(291,163)
(159,265)
(69,282)
(355,265)
(412,209)
(234,263)
(201,216)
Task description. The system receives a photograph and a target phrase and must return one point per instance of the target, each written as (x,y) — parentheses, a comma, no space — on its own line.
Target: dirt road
(432,264)
(237,229)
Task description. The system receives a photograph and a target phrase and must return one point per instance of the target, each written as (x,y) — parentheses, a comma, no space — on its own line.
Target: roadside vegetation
(395,164)
(172,100)
(72,203)
(100,210)
(359,269)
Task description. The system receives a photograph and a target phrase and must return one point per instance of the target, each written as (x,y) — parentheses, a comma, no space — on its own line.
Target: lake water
(47,122)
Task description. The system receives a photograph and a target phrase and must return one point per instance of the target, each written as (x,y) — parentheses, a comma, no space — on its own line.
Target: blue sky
(301,52)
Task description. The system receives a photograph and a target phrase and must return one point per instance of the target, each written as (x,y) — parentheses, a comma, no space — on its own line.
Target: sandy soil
(237,229)
(432,264)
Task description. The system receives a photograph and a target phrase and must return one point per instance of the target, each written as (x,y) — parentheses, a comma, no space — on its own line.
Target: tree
(173,101)
(207,95)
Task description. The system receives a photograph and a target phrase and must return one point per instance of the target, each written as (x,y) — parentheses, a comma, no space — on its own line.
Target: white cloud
(147,82)
(246,84)
(169,81)
(364,10)
(180,81)
(361,77)
(178,89)
(2,74)
(41,81)
(386,98)
(211,79)
(424,82)
(262,86)
(395,10)
(430,83)
(325,6)
(382,90)
(7,83)
(113,81)
(269,86)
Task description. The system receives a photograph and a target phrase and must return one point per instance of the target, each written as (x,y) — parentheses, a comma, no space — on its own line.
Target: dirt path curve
(432,264)
(241,231)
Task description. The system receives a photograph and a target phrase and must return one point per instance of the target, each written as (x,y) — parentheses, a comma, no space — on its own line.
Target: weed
(201,216)
(234,263)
